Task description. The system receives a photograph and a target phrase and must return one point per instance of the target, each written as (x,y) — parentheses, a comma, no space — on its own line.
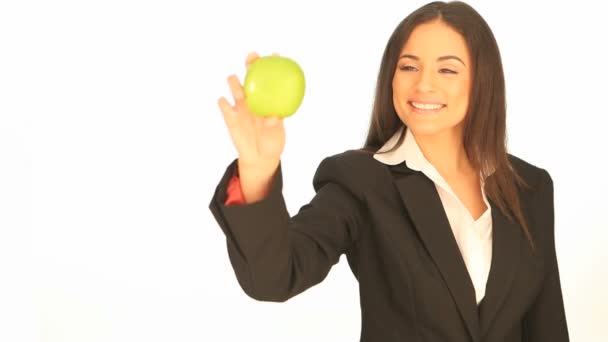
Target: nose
(426,81)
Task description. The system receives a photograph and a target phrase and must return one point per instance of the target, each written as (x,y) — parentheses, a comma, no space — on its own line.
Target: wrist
(258,167)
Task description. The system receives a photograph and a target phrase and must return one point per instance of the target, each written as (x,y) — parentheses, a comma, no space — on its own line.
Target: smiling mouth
(423,108)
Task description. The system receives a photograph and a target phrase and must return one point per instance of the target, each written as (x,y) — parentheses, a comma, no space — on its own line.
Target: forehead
(430,40)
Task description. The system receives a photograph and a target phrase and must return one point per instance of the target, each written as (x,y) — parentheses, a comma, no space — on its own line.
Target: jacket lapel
(507,239)
(424,206)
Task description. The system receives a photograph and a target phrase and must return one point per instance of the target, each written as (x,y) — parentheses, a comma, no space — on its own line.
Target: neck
(446,152)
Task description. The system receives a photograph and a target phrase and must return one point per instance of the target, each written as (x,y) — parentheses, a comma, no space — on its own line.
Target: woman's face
(433,74)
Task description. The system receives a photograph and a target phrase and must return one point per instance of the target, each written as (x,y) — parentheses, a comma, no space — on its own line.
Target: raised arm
(275,256)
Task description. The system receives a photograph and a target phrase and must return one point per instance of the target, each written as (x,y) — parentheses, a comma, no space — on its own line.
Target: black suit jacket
(390,223)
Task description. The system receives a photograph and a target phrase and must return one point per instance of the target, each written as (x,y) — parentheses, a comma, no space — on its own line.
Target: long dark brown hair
(484,135)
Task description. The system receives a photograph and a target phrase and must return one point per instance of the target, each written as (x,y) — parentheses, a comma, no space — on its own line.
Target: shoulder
(354,158)
(540,199)
(353,169)
(534,175)
(541,207)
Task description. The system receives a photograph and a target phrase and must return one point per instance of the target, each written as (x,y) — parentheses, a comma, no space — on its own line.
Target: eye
(411,68)
(448,71)
(406,68)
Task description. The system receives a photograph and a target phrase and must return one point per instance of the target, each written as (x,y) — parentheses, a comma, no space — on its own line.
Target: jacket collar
(410,153)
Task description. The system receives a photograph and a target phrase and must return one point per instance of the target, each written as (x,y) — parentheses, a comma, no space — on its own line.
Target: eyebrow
(442,58)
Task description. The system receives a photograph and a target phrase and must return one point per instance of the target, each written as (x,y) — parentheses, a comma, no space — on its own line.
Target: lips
(418,100)
(426,110)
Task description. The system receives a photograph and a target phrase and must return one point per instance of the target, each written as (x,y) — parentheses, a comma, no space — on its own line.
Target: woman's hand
(258,140)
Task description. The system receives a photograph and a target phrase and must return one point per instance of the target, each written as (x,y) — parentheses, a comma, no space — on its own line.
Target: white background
(111,145)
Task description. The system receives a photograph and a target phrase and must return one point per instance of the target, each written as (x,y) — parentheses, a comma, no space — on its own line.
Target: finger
(272,121)
(252,56)
(258,122)
(228,111)
(265,125)
(237,91)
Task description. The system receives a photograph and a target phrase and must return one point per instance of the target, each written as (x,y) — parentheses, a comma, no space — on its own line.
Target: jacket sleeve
(234,193)
(275,256)
(546,319)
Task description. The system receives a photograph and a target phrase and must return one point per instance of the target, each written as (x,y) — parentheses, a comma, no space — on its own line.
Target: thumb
(271,121)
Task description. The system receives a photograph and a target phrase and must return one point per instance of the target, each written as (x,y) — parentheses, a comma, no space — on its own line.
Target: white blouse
(474,237)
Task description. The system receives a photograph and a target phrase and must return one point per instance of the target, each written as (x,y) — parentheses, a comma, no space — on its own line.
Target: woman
(450,237)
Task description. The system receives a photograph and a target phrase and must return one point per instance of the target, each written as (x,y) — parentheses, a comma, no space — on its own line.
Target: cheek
(396,88)
(460,95)
(397,91)
(401,90)
(400,84)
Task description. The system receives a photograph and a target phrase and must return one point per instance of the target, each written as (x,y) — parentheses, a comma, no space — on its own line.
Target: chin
(420,126)
(425,129)
(430,128)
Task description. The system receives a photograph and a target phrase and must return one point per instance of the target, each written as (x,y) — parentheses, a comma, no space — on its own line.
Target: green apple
(274,86)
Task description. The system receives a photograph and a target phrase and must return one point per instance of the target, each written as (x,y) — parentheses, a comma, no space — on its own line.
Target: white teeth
(426,105)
